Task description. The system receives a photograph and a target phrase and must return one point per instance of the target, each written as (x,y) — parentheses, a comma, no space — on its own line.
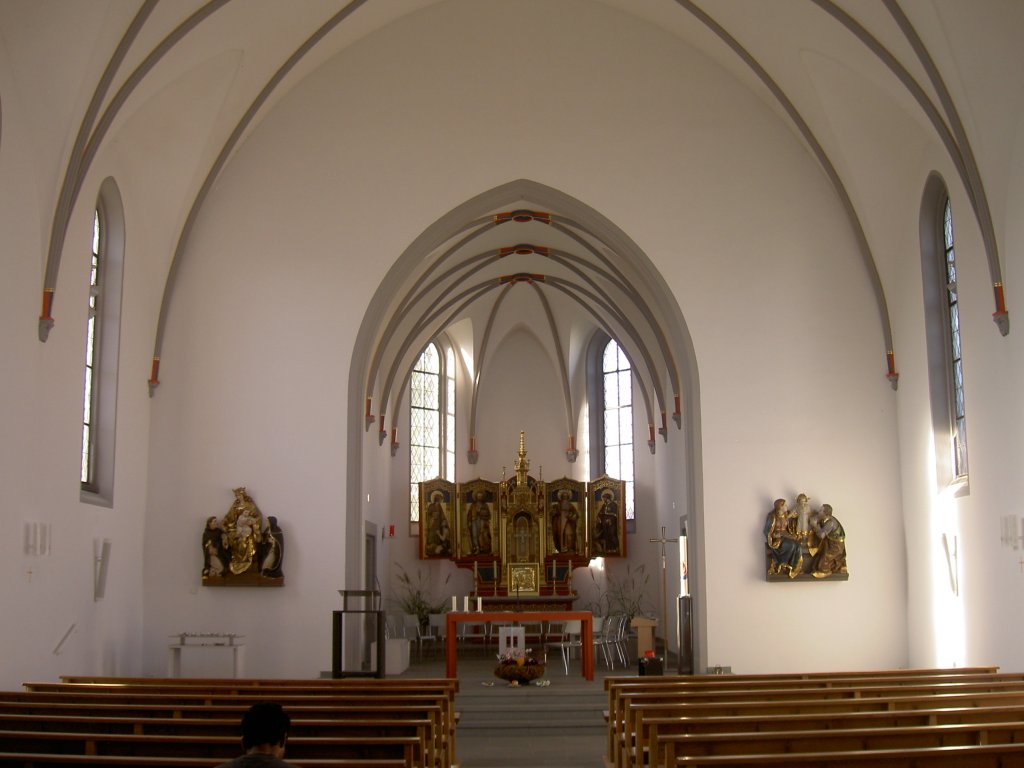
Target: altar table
(586,619)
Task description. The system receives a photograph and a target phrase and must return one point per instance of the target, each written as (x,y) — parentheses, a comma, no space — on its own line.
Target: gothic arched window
(615,432)
(942,324)
(99,398)
(431,421)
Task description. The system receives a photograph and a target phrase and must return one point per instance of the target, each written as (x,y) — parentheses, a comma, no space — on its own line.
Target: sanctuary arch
(679,482)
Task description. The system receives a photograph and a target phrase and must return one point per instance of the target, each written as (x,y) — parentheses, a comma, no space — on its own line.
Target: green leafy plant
(416,595)
(626,595)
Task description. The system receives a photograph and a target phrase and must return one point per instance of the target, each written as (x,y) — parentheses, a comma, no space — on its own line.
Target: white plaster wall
(383,140)
(49,599)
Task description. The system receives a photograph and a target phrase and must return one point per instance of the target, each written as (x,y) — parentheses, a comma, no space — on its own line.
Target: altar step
(556,726)
(530,714)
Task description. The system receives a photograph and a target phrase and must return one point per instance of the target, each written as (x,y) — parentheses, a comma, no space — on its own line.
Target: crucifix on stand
(664,589)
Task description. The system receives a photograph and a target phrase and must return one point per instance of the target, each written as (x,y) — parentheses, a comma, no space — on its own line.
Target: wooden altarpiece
(522,537)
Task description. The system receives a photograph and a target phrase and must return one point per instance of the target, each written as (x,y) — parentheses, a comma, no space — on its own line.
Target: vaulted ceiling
(93,64)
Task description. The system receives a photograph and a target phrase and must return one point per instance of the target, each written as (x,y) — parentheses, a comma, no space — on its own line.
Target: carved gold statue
(243,526)
(802,543)
(239,550)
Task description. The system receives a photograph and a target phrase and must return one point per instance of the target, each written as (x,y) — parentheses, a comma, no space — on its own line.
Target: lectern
(370,608)
(644,634)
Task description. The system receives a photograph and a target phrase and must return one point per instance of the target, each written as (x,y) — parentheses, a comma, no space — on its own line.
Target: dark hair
(264,723)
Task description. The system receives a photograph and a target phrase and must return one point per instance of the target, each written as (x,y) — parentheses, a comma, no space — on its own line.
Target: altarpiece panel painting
(437,500)
(607,518)
(567,524)
(477,518)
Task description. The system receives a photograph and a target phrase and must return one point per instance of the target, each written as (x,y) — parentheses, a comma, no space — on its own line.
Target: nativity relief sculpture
(803,543)
(242,549)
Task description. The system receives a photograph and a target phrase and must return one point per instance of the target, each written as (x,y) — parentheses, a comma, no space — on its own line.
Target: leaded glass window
(959,420)
(617,437)
(449,410)
(91,389)
(424,425)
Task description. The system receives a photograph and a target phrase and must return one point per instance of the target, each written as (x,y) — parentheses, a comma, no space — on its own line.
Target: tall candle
(479,604)
(465,603)
(455,605)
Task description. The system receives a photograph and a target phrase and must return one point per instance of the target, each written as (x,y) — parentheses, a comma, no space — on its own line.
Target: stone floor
(559,725)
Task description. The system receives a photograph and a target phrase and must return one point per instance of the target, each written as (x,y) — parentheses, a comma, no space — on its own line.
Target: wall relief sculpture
(803,543)
(242,549)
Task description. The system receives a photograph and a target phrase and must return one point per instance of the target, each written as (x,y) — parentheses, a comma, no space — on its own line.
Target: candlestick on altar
(465,603)
(455,604)
(479,604)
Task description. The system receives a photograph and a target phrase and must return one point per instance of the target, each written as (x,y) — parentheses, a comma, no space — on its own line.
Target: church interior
(698,254)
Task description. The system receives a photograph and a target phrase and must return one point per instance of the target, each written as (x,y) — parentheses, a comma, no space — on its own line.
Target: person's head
(826,510)
(780,505)
(265,725)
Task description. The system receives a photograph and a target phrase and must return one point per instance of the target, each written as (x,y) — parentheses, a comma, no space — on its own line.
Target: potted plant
(416,596)
(626,595)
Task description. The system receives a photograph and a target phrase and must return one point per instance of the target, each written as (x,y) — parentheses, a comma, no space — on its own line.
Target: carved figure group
(804,541)
(239,543)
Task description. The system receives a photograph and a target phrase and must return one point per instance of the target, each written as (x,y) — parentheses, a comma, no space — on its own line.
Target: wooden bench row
(409,724)
(701,720)
(48,760)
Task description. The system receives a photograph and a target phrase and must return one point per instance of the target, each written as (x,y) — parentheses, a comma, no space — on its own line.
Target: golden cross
(663,541)
(664,588)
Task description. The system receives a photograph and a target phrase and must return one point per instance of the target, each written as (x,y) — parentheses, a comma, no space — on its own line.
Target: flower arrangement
(518,667)
(416,595)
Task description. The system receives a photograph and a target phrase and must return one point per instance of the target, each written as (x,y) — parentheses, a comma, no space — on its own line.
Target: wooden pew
(400,727)
(627,731)
(49,760)
(626,698)
(213,748)
(615,685)
(669,748)
(657,727)
(283,691)
(352,706)
(984,756)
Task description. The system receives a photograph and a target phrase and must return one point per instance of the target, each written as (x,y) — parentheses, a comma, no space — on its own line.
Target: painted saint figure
(215,556)
(606,526)
(781,544)
(831,546)
(439,539)
(272,549)
(564,521)
(478,517)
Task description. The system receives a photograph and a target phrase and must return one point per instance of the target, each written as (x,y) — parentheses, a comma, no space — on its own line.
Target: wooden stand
(644,634)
